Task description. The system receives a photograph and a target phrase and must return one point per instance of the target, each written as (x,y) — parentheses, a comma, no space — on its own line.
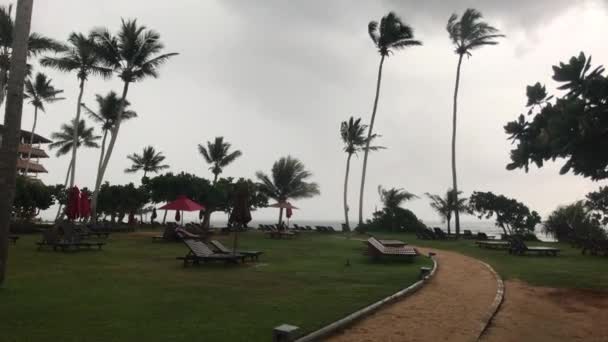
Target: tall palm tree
(217,154)
(148,161)
(447,205)
(37,44)
(63,141)
(79,57)
(39,91)
(108,108)
(467,34)
(391,35)
(354,138)
(287,180)
(134,54)
(12,124)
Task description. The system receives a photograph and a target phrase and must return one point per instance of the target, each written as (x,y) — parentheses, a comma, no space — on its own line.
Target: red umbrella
(73,206)
(85,205)
(182,203)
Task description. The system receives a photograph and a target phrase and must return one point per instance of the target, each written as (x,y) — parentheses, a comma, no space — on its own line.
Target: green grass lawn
(135,290)
(569,269)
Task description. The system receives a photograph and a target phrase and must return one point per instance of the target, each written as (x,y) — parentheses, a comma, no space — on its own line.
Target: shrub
(574,223)
(396,220)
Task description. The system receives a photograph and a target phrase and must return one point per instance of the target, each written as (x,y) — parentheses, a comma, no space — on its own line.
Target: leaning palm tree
(63,141)
(12,125)
(467,34)
(148,161)
(447,205)
(287,181)
(39,91)
(37,44)
(391,35)
(218,154)
(108,108)
(80,57)
(353,135)
(134,55)
(392,199)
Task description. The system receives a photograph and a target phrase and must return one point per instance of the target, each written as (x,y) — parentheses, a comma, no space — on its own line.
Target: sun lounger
(309,228)
(376,249)
(493,244)
(199,251)
(69,241)
(169,234)
(274,233)
(330,229)
(441,235)
(254,255)
(467,234)
(518,247)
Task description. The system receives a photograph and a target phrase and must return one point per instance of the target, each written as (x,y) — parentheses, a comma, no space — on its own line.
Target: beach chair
(274,233)
(330,229)
(220,248)
(518,247)
(441,235)
(482,236)
(73,238)
(467,234)
(493,244)
(169,234)
(199,251)
(376,249)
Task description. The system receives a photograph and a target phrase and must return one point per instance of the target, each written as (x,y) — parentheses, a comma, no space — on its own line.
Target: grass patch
(569,269)
(135,290)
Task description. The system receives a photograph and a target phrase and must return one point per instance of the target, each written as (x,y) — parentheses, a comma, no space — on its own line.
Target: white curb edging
(498,299)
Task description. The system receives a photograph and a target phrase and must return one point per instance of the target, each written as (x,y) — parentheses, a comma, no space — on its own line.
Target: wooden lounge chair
(169,234)
(467,234)
(493,244)
(199,251)
(376,249)
(13,239)
(69,241)
(518,247)
(274,233)
(441,235)
(254,255)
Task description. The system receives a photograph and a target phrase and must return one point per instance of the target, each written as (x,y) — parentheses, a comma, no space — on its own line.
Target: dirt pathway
(531,313)
(451,307)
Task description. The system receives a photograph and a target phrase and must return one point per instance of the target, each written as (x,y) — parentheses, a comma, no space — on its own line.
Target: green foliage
(218,154)
(62,140)
(397,220)
(393,198)
(447,205)
(288,181)
(392,34)
(354,136)
(512,216)
(31,196)
(149,161)
(597,203)
(40,91)
(108,109)
(574,223)
(470,32)
(121,200)
(572,127)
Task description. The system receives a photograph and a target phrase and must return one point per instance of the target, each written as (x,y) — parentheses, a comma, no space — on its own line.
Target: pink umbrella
(73,205)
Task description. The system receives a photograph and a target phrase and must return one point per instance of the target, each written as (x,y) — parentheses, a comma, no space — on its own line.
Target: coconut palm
(39,92)
(467,34)
(12,124)
(134,54)
(353,135)
(393,198)
(287,181)
(37,44)
(79,57)
(389,36)
(447,205)
(64,142)
(218,154)
(148,161)
(108,108)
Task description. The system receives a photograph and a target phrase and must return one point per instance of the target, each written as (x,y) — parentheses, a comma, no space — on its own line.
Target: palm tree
(352,133)
(391,35)
(392,199)
(63,141)
(106,115)
(12,124)
(287,180)
(134,55)
(80,57)
(37,44)
(148,161)
(447,205)
(39,91)
(467,34)
(217,154)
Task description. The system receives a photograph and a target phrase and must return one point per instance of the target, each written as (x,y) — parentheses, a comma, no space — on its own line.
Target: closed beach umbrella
(153,216)
(85,205)
(281,206)
(177,216)
(240,215)
(73,205)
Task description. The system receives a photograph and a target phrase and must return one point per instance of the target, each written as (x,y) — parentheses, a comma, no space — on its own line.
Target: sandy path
(531,313)
(451,307)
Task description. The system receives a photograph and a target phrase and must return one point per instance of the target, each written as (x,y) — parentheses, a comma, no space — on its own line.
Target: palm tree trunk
(209,210)
(369,136)
(12,125)
(280,217)
(449,223)
(347,226)
(454,179)
(29,153)
(75,135)
(103,149)
(65,184)
(108,154)
(3,81)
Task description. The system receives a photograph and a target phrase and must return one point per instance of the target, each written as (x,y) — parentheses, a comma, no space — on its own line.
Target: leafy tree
(467,33)
(36,45)
(353,136)
(574,223)
(39,91)
(390,35)
(148,161)
(118,201)
(400,219)
(31,197)
(134,55)
(511,216)
(392,199)
(287,181)
(447,205)
(597,203)
(571,127)
(80,56)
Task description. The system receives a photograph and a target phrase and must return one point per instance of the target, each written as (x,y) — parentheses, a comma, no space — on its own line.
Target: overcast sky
(277,78)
